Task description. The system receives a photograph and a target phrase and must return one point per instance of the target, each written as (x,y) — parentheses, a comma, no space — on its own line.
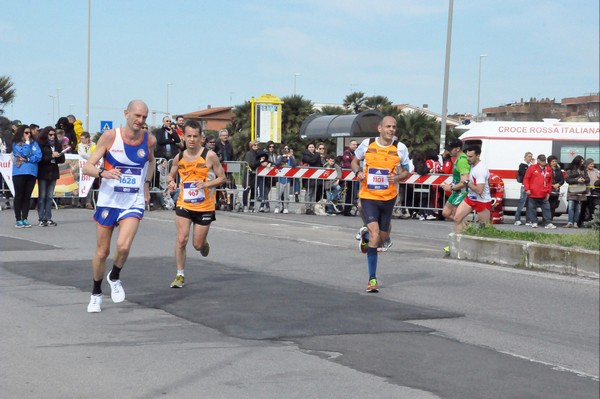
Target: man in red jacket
(538,186)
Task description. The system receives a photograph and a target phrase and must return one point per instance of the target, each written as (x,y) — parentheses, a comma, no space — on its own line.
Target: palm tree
(294,111)
(391,110)
(7,92)
(239,128)
(355,102)
(333,110)
(377,102)
(241,118)
(418,131)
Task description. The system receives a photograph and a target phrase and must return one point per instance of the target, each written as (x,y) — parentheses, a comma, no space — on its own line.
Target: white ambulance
(504,144)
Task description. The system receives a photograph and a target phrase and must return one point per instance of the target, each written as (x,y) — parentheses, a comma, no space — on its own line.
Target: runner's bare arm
(355,165)
(172,176)
(477,188)
(401,174)
(462,184)
(90,168)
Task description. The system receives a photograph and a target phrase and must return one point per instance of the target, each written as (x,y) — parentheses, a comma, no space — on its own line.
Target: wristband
(102,169)
(149,181)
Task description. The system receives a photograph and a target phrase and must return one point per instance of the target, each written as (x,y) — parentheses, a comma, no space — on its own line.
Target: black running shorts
(201,218)
(378,211)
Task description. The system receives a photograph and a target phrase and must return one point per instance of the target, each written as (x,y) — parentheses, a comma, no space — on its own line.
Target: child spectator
(332,187)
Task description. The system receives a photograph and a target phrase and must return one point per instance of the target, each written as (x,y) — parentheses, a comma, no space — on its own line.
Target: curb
(526,254)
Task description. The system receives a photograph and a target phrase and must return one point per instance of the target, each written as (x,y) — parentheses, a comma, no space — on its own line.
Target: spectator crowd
(38,152)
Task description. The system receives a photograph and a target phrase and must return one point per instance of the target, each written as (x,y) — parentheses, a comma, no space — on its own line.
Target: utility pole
(446,77)
(481,57)
(168,84)
(295,76)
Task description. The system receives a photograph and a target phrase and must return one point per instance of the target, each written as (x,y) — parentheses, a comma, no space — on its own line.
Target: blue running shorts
(110,217)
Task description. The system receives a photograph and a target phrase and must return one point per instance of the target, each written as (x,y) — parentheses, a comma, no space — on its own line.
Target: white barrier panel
(71,182)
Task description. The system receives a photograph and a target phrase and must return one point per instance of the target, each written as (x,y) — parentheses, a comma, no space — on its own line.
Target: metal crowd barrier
(230,195)
(306,186)
(417,195)
(421,195)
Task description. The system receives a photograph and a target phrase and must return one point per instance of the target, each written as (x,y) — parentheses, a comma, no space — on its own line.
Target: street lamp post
(53,120)
(87,83)
(168,85)
(58,102)
(481,57)
(295,76)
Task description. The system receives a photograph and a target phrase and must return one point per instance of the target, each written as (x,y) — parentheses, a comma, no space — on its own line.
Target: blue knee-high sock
(372,262)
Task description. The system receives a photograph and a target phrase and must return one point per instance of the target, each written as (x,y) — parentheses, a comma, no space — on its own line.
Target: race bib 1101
(377,179)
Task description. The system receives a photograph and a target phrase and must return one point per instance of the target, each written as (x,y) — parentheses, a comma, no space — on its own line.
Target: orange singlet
(190,197)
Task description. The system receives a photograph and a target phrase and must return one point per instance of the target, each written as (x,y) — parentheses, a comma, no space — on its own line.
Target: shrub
(595,222)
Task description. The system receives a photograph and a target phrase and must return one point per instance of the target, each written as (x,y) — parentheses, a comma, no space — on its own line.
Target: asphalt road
(278,310)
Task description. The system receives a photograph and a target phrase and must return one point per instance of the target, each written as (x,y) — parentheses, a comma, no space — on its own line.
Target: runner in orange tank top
(385,165)
(200,173)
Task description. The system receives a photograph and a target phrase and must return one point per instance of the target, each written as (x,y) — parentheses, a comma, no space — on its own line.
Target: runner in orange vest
(200,173)
(385,165)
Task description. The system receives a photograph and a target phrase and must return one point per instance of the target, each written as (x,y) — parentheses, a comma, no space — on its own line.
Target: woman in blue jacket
(26,155)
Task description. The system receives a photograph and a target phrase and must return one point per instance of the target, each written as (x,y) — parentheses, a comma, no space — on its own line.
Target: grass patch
(587,239)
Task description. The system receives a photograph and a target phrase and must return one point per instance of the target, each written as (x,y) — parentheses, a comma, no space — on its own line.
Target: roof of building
(209,112)
(592,98)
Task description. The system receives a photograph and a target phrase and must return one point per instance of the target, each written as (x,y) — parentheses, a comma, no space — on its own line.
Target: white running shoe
(534,225)
(285,211)
(117,293)
(386,245)
(550,226)
(276,210)
(431,217)
(528,224)
(95,304)
(361,231)
(518,223)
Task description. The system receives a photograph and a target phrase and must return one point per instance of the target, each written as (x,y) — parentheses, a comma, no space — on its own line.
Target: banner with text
(71,182)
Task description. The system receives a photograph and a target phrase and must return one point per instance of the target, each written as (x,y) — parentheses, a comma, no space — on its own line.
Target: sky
(187,55)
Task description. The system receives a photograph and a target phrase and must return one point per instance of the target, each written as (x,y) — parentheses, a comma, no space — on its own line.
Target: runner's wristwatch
(102,169)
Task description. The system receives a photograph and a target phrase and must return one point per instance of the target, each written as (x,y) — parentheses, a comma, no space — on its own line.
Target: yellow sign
(265,118)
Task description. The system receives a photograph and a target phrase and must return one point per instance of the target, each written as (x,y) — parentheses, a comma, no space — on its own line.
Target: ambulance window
(567,151)
(593,152)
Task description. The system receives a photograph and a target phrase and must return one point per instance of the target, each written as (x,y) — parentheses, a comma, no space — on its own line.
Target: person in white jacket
(84,151)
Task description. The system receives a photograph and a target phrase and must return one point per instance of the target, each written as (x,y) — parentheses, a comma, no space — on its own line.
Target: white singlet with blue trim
(132,161)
